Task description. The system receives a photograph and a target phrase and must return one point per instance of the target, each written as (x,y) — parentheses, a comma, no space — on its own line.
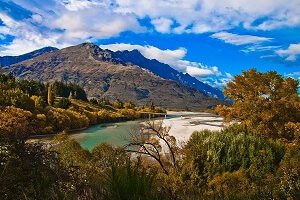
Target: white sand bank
(186,123)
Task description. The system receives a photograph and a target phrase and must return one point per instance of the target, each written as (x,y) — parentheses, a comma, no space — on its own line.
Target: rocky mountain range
(123,75)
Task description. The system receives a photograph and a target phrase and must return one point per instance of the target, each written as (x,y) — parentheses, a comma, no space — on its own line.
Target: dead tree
(153,140)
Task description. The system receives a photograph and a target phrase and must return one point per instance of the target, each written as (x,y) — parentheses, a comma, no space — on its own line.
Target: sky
(212,40)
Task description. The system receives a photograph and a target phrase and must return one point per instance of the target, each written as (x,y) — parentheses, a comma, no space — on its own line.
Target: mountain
(104,76)
(165,71)
(10,60)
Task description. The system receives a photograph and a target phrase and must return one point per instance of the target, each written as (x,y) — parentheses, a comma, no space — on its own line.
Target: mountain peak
(88,44)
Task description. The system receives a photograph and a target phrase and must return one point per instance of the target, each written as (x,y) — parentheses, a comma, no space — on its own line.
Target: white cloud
(228,75)
(236,39)
(162,25)
(199,16)
(174,58)
(220,82)
(75,5)
(27,37)
(260,48)
(291,53)
(86,24)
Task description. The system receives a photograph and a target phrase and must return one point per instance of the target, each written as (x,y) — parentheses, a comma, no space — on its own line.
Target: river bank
(182,126)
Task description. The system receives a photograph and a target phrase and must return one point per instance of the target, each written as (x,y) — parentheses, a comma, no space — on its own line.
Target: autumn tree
(117,104)
(265,101)
(50,96)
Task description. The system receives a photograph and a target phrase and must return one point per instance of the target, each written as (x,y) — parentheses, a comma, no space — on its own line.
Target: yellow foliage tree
(50,96)
(264,101)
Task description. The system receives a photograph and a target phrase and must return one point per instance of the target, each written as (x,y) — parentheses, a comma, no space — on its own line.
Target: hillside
(89,66)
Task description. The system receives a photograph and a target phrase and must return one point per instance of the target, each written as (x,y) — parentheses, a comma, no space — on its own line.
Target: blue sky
(212,40)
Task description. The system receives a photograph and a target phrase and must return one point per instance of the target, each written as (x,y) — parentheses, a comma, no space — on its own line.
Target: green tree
(62,103)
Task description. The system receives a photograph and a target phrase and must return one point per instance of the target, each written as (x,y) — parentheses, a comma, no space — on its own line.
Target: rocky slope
(165,71)
(103,75)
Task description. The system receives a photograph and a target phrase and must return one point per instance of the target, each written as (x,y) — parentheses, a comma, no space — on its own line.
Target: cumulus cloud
(200,16)
(291,53)
(237,39)
(174,58)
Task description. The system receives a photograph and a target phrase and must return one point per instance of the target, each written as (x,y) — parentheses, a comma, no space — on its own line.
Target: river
(182,125)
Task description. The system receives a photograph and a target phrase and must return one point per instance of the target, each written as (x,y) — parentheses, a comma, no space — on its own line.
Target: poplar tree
(50,95)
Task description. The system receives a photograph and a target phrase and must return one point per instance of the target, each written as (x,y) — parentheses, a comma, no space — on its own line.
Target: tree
(264,101)
(117,104)
(38,102)
(63,103)
(71,95)
(15,124)
(17,98)
(94,101)
(129,105)
(150,141)
(50,96)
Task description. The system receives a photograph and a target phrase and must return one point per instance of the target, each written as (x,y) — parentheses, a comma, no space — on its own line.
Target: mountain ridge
(166,71)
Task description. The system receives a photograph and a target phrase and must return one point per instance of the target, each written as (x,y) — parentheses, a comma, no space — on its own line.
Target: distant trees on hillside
(71,90)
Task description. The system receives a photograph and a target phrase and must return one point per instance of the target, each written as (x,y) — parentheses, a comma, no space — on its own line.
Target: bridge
(152,114)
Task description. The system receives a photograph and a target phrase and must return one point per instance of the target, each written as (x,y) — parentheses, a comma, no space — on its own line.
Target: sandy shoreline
(186,123)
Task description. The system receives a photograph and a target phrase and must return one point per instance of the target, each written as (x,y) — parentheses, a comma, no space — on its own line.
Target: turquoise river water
(116,134)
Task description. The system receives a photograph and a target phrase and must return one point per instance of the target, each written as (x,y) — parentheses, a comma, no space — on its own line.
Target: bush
(230,185)
(130,182)
(289,174)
